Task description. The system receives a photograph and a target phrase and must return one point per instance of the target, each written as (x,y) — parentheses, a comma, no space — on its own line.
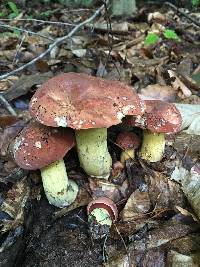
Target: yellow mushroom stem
(153,146)
(127,154)
(59,190)
(93,152)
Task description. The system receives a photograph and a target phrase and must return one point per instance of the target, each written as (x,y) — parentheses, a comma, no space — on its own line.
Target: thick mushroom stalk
(93,152)
(153,146)
(42,147)
(59,191)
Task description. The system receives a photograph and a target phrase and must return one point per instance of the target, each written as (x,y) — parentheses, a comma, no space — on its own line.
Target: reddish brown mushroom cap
(162,117)
(105,203)
(128,140)
(159,117)
(81,101)
(37,145)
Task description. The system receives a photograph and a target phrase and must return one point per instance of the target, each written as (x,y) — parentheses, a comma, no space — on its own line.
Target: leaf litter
(157,225)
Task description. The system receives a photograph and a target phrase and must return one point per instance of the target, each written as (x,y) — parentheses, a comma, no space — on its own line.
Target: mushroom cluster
(76,109)
(89,105)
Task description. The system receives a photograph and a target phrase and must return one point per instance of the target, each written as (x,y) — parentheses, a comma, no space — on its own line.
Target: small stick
(16,57)
(182,13)
(57,42)
(23,30)
(7,106)
(42,21)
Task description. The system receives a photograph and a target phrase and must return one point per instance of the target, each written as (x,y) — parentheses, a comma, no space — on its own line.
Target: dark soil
(64,242)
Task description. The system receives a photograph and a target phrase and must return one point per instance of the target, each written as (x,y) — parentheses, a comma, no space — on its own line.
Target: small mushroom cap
(105,203)
(128,140)
(159,117)
(81,101)
(37,145)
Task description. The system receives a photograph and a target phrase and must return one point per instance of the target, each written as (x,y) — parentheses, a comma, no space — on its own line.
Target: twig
(126,249)
(23,30)
(57,42)
(6,105)
(42,21)
(182,13)
(16,57)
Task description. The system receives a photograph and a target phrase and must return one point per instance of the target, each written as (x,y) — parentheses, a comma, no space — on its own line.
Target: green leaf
(2,14)
(12,16)
(195,3)
(13,8)
(45,13)
(151,38)
(17,32)
(170,34)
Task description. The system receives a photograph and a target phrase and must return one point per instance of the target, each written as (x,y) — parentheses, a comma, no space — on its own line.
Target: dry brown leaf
(161,92)
(14,204)
(178,84)
(82,199)
(6,83)
(116,27)
(137,205)
(101,187)
(164,193)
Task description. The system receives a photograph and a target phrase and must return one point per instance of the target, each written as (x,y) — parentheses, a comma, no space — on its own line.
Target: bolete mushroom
(89,105)
(159,119)
(128,141)
(42,147)
(102,212)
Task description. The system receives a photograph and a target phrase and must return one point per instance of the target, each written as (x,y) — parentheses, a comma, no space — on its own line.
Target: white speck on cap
(38,144)
(124,111)
(61,121)
(127,108)
(18,144)
(120,115)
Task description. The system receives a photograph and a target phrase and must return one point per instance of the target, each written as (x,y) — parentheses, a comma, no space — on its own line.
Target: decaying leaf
(14,204)
(82,199)
(191,187)
(137,205)
(161,92)
(176,259)
(164,194)
(178,84)
(190,118)
(101,187)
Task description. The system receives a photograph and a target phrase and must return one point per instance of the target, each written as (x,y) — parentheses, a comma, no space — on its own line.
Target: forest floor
(157,52)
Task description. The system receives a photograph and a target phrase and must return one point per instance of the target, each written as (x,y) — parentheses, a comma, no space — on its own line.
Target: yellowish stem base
(59,191)
(127,154)
(153,146)
(93,152)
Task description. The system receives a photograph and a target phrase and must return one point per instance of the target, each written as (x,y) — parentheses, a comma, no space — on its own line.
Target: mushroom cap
(37,145)
(159,117)
(128,140)
(105,203)
(81,101)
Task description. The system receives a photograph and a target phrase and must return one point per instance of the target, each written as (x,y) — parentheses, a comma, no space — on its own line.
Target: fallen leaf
(137,205)
(160,92)
(14,203)
(178,84)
